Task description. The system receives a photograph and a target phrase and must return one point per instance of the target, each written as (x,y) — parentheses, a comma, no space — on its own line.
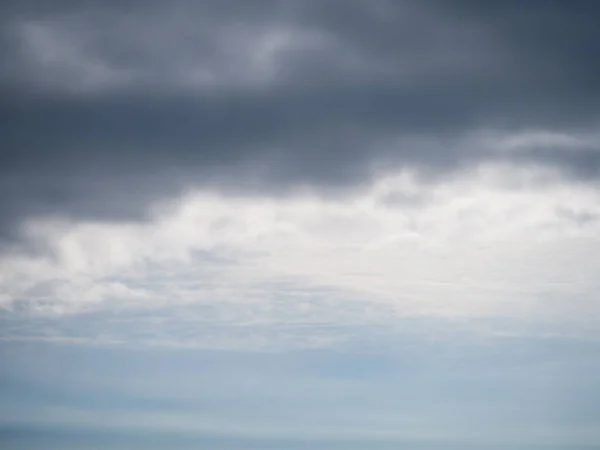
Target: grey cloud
(580,217)
(581,163)
(360,85)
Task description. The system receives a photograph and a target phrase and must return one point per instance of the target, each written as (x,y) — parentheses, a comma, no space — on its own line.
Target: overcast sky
(299,224)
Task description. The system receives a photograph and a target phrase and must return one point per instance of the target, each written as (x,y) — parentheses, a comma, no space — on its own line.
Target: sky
(299,224)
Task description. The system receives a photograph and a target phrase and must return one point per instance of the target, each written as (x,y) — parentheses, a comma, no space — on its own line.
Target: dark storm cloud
(98,115)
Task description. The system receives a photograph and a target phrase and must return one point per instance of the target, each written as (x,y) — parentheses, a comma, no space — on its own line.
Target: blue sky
(441,394)
(299,224)
(419,390)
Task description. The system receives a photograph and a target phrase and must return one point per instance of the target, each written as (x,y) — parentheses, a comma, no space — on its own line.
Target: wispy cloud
(495,244)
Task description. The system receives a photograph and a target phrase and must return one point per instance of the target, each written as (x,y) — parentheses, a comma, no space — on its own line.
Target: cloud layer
(299,223)
(110,105)
(357,159)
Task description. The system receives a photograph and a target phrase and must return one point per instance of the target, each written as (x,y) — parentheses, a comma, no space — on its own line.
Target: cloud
(109,107)
(274,219)
(498,251)
(365,160)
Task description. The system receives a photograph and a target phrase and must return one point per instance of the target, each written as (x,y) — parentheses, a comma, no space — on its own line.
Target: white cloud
(489,244)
